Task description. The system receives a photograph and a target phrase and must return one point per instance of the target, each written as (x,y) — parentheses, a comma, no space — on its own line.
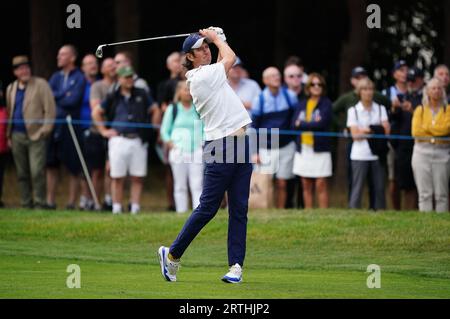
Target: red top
(3,125)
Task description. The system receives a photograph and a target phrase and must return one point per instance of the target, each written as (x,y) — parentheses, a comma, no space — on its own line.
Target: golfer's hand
(219,32)
(108,133)
(211,35)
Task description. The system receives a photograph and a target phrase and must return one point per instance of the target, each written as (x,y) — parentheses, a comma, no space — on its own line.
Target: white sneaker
(234,276)
(117,209)
(135,209)
(168,268)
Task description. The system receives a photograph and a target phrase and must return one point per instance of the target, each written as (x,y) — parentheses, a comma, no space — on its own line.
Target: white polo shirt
(220,109)
(361,149)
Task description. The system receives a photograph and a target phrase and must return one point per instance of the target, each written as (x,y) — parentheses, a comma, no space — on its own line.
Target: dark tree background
(330,36)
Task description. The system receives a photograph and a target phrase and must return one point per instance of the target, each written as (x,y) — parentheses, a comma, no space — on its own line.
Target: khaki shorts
(278,162)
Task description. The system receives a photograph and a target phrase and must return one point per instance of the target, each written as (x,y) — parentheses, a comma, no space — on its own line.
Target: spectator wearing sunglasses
(296,60)
(293,77)
(312,160)
(273,109)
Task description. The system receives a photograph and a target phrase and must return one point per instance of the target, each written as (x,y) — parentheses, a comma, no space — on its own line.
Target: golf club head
(99,52)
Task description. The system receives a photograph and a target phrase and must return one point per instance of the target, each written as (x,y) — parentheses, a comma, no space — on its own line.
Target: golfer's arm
(226,54)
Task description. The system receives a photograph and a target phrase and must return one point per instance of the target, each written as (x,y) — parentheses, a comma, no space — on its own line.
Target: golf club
(99,51)
(83,162)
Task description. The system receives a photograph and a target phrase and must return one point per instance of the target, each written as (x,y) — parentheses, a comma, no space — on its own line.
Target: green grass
(291,254)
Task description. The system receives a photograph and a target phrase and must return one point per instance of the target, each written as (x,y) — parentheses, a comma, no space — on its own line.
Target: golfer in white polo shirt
(226,152)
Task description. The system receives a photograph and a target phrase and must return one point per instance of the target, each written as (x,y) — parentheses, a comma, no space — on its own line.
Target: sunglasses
(294,76)
(316,84)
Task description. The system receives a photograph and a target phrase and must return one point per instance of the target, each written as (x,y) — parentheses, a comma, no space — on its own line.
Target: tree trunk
(127,26)
(352,54)
(354,50)
(46,35)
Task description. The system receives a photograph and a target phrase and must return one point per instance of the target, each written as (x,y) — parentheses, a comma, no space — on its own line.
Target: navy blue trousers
(227,169)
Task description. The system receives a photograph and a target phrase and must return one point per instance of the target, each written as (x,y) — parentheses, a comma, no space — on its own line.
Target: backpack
(285,94)
(174,116)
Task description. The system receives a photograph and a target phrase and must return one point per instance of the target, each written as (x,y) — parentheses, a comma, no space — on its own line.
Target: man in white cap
(225,119)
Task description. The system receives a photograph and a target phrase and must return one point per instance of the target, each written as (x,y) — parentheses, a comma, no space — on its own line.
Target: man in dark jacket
(126,109)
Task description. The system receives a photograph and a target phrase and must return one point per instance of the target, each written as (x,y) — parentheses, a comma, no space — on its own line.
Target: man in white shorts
(128,143)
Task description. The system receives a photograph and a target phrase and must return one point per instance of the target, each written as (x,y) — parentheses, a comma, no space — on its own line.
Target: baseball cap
(193,41)
(399,64)
(415,73)
(238,62)
(20,60)
(359,70)
(126,71)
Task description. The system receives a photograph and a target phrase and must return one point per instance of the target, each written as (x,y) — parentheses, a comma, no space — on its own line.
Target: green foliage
(410,30)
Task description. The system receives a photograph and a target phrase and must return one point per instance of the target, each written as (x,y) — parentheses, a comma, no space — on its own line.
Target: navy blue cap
(193,41)
(399,64)
(238,62)
(359,70)
(415,73)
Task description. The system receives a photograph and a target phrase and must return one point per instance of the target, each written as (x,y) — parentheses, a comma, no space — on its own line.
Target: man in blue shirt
(246,89)
(273,109)
(93,145)
(67,85)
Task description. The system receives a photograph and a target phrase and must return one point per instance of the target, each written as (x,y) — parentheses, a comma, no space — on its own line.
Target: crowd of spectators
(396,140)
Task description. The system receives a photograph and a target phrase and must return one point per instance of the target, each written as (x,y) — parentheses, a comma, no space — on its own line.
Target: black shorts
(94,150)
(61,149)
(403,170)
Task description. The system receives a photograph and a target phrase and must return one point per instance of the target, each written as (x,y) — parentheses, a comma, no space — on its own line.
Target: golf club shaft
(148,39)
(83,162)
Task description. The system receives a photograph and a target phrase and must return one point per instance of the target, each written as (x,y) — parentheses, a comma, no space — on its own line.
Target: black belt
(129,135)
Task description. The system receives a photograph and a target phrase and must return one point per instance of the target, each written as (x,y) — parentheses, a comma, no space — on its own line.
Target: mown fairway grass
(291,254)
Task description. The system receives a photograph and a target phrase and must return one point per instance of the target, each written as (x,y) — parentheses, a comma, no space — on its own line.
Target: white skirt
(310,164)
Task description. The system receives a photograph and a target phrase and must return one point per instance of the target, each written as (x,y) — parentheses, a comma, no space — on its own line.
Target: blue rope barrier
(152,126)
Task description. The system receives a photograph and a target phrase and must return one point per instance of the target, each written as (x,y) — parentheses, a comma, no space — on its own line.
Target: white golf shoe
(234,276)
(168,268)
